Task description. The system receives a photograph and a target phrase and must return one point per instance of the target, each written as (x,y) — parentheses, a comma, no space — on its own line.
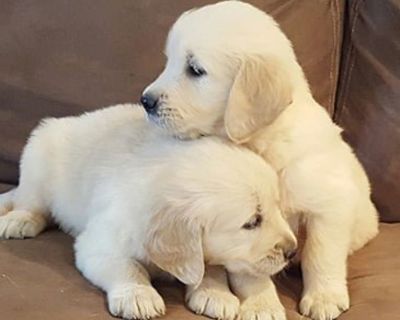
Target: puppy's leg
(24,211)
(103,258)
(328,195)
(325,294)
(213,297)
(258,296)
(366,225)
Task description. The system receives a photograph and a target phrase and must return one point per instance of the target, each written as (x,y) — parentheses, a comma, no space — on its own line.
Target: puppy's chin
(171,128)
(265,267)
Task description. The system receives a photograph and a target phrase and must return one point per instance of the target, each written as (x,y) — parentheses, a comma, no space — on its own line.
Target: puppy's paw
(324,305)
(21,224)
(135,302)
(214,303)
(260,307)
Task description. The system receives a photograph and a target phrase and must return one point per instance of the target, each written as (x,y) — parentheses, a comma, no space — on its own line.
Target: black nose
(149,102)
(289,255)
(288,247)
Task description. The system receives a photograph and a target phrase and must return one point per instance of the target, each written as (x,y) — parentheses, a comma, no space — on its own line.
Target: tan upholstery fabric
(38,279)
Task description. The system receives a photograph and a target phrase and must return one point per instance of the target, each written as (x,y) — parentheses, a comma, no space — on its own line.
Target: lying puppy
(135,199)
(232,72)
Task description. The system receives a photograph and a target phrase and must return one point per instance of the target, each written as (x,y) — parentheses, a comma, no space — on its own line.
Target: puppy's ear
(175,245)
(260,92)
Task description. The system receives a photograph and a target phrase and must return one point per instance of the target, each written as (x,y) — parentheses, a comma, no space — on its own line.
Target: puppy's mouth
(154,118)
(268,265)
(165,117)
(171,121)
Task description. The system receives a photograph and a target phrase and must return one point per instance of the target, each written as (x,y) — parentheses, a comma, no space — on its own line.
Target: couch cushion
(368,105)
(5,187)
(61,57)
(38,279)
(374,277)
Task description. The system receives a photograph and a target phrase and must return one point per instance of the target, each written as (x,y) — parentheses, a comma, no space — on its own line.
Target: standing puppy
(232,72)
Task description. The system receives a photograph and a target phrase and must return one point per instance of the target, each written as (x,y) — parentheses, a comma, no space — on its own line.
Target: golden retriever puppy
(136,199)
(232,72)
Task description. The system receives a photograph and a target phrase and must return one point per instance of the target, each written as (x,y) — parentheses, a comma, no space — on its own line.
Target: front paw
(135,302)
(261,307)
(19,224)
(324,305)
(214,303)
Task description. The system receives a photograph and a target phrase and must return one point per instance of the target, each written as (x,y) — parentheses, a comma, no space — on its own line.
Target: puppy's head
(229,71)
(220,206)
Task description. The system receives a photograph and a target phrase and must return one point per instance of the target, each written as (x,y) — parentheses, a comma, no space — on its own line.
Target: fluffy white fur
(253,91)
(137,199)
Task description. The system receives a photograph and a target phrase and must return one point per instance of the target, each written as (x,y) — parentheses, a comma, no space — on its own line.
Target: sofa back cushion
(61,57)
(368,105)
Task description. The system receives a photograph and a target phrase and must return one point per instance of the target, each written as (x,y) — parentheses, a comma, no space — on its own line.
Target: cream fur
(135,199)
(254,92)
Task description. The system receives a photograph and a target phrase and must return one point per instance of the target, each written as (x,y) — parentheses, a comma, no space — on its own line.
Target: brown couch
(62,57)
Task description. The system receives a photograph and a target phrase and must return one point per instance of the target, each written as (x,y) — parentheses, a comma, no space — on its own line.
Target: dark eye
(253,223)
(195,71)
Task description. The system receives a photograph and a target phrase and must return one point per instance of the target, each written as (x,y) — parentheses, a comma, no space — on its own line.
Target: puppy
(232,72)
(136,199)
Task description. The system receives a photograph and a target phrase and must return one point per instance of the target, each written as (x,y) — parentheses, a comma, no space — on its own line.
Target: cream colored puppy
(232,72)
(135,199)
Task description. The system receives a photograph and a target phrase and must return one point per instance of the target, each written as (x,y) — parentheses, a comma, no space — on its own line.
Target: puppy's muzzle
(288,247)
(150,103)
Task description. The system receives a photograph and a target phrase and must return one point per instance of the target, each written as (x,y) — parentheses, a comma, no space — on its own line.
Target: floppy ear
(175,245)
(260,92)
